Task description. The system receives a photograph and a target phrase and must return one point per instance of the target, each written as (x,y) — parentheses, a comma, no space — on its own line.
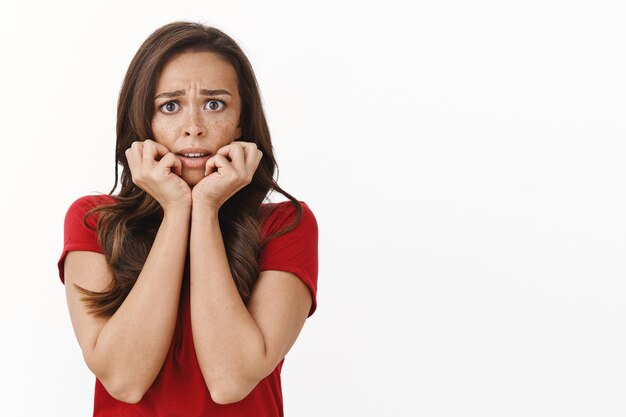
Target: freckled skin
(193,123)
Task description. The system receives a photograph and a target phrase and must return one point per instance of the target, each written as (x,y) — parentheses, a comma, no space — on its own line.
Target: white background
(465,162)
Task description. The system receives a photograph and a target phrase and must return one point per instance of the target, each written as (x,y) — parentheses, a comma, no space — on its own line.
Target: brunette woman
(186,289)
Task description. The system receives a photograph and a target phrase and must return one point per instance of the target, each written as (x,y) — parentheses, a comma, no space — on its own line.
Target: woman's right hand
(157,171)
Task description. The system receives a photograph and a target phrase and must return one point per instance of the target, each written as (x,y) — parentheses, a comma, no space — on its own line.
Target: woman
(185,290)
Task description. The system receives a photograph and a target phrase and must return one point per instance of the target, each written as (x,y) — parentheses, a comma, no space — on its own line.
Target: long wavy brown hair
(127,227)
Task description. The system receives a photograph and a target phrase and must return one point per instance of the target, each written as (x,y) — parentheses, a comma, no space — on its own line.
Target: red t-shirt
(179,388)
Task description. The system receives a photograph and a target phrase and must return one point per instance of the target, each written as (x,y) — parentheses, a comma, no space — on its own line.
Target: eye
(170,107)
(214,105)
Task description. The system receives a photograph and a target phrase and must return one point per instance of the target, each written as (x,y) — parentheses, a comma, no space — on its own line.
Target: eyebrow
(203,92)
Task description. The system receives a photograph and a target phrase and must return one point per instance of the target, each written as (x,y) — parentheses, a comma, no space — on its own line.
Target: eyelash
(162,106)
(219,101)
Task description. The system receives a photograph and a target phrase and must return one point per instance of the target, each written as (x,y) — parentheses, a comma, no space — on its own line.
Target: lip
(193,163)
(193,150)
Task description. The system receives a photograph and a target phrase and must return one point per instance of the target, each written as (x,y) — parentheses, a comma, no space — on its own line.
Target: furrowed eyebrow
(176,93)
(204,92)
(214,92)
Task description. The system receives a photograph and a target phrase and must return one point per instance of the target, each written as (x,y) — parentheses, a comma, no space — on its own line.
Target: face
(196,109)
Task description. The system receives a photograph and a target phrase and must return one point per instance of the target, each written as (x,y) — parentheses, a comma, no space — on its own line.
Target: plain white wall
(464,161)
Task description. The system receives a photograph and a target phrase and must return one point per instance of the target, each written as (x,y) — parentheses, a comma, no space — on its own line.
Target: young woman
(185,289)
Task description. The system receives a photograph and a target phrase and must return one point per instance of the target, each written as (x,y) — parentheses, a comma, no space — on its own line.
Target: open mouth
(193,160)
(193,155)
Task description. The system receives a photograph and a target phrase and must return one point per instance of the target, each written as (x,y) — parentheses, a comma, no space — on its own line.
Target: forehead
(208,69)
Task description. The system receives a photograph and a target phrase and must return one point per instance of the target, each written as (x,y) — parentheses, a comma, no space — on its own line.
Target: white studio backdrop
(464,161)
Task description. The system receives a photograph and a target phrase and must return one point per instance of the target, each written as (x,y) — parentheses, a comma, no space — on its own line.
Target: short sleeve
(295,251)
(77,236)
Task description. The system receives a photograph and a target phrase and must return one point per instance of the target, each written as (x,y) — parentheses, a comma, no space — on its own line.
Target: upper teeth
(194,155)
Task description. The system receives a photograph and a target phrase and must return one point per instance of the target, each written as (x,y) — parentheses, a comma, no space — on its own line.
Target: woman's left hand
(226,172)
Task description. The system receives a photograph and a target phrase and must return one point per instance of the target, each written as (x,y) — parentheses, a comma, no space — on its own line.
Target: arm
(127,350)
(236,346)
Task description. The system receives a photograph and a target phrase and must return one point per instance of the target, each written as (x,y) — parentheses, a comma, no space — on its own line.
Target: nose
(194,126)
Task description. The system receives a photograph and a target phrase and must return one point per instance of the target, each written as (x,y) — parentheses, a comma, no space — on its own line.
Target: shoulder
(80,232)
(277,216)
(88,202)
(85,203)
(79,208)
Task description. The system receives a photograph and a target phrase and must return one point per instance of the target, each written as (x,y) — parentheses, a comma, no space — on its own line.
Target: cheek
(162,130)
(225,127)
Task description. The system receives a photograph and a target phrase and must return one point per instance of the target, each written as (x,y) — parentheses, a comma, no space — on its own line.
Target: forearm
(228,343)
(132,346)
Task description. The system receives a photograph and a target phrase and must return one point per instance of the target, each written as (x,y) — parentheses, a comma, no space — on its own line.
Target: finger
(253,154)
(251,151)
(251,157)
(217,163)
(134,159)
(178,166)
(137,148)
(149,152)
(161,149)
(133,154)
(225,150)
(237,155)
(253,164)
(170,163)
(138,145)
(259,156)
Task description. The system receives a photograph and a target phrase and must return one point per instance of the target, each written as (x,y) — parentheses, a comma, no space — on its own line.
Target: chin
(192,178)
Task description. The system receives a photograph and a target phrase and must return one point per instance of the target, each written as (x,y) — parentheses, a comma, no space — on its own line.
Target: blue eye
(170,107)
(214,105)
